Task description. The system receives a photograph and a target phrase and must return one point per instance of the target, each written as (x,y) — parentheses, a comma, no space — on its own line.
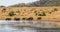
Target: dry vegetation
(30,13)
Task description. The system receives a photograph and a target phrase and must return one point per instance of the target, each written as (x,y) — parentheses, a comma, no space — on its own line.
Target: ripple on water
(6,28)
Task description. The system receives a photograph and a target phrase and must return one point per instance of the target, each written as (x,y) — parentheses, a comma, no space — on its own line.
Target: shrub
(4,10)
(32,9)
(8,19)
(55,9)
(30,18)
(23,18)
(35,11)
(16,19)
(36,14)
(39,18)
(18,11)
(50,12)
(42,14)
(11,13)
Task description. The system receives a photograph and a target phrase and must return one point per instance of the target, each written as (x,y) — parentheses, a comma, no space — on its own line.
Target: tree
(46,3)
(39,3)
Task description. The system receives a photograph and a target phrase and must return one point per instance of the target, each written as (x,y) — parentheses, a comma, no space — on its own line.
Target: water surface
(6,28)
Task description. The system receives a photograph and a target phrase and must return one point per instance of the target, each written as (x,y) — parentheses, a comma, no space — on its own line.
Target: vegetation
(35,11)
(39,18)
(4,10)
(42,14)
(11,13)
(55,9)
(21,5)
(46,3)
(16,19)
(30,18)
(2,6)
(23,18)
(39,3)
(8,19)
(50,12)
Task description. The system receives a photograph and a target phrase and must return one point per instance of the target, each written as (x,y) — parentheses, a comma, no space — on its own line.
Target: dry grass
(26,12)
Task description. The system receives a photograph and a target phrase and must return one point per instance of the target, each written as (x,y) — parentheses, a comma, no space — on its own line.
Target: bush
(16,19)
(39,18)
(18,11)
(8,19)
(30,18)
(4,10)
(55,9)
(36,14)
(23,18)
(35,11)
(11,13)
(42,14)
(50,12)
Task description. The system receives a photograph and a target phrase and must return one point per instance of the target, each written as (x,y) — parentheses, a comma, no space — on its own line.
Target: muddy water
(6,28)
